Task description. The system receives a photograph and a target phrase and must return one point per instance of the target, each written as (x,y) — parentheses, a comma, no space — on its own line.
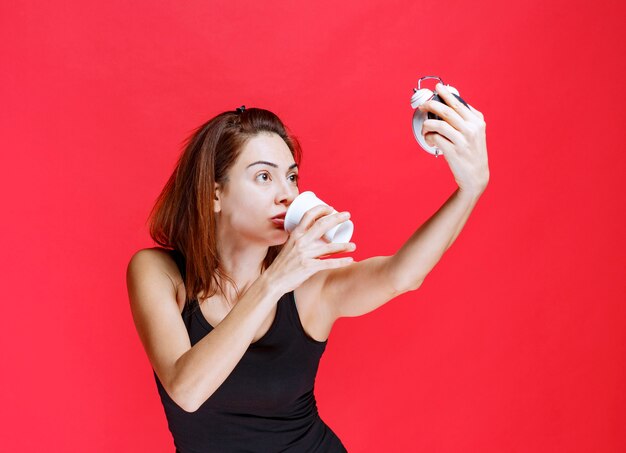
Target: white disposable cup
(301,204)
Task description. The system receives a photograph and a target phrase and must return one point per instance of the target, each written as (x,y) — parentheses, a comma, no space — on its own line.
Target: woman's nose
(287,194)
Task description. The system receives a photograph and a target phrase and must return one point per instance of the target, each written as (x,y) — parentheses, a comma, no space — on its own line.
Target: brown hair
(183,218)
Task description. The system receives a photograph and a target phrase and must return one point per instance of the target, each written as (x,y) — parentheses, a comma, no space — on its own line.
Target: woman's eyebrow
(264,162)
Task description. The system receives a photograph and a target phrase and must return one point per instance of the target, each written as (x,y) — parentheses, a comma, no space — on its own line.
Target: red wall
(516,342)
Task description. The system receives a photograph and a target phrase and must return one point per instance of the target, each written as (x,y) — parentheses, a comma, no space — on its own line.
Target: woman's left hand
(461,139)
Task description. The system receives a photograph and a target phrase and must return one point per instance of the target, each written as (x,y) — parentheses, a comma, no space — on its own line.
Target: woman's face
(262,183)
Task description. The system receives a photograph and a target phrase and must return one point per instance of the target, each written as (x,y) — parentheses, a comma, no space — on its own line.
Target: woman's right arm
(190,375)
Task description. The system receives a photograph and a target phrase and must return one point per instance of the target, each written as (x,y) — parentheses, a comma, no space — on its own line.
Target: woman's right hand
(298,260)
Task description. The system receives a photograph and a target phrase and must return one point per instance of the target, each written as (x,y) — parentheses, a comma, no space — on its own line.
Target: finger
(334,263)
(453,102)
(444,112)
(333,248)
(445,130)
(444,145)
(311,215)
(324,224)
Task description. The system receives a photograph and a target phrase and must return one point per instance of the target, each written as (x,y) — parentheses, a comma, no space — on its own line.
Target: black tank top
(267,403)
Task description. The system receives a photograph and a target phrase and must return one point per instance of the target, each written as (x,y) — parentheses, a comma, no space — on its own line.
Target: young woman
(234,313)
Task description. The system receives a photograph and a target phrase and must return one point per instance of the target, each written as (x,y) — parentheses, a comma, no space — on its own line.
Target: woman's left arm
(366,285)
(410,265)
(461,139)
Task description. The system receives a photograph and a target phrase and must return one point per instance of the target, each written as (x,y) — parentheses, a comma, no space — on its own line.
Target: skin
(255,194)
(244,208)
(461,137)
(245,205)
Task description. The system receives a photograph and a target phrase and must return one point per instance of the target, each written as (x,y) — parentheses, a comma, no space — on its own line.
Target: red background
(516,342)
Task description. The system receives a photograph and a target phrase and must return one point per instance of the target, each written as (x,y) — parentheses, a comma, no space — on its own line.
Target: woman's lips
(278,222)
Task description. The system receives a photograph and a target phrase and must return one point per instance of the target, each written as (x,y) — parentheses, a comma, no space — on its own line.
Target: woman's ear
(216,198)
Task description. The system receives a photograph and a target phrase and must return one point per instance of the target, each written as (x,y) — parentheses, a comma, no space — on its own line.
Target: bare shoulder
(152,291)
(157,260)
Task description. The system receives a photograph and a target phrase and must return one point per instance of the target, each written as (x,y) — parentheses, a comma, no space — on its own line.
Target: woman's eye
(294,177)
